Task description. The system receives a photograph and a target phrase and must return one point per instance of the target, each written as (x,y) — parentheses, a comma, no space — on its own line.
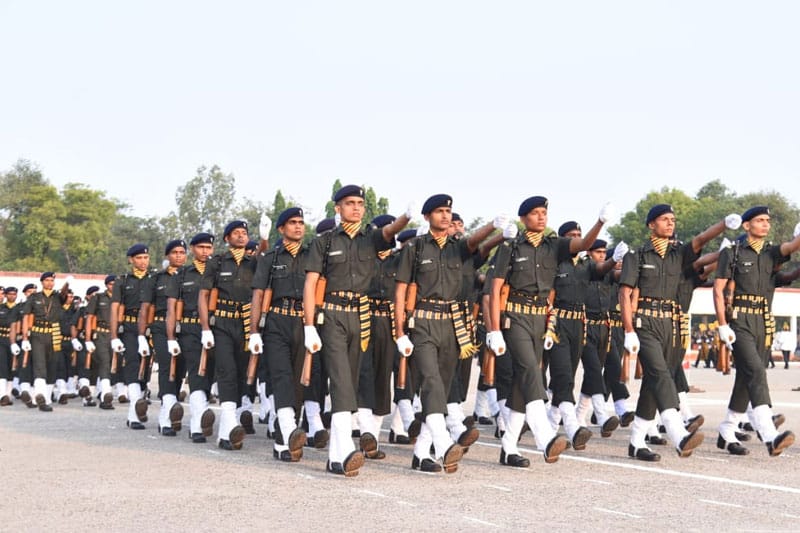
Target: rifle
(305,375)
(488,366)
(266,302)
(411,292)
(723,358)
(625,372)
(91,324)
(29,323)
(201,371)
(402,371)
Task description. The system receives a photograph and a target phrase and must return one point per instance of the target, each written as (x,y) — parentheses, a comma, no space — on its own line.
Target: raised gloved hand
(733,221)
(117,346)
(69,280)
(312,341)
(496,342)
(144,347)
(264,226)
(337,219)
(500,221)
(76,345)
(411,210)
(90,347)
(15,348)
(423,229)
(726,243)
(173,347)
(619,251)
(631,342)
(207,339)
(797,230)
(25,345)
(255,343)
(405,346)
(607,212)
(510,230)
(727,335)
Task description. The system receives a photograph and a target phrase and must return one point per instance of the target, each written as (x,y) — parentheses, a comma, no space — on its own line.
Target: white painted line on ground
(715,459)
(497,487)
(662,471)
(620,513)
(372,493)
(215,452)
(152,437)
(724,504)
(403,502)
(598,481)
(306,476)
(787,515)
(479,521)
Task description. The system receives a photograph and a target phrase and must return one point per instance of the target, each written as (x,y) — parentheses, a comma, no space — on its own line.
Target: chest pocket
(427,265)
(366,252)
(337,257)
(280,272)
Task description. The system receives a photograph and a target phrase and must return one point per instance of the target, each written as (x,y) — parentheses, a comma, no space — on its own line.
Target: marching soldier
(125,305)
(24,377)
(7,355)
(67,363)
(747,271)
(438,334)
(651,323)
(97,332)
(528,264)
(183,326)
(344,257)
(171,366)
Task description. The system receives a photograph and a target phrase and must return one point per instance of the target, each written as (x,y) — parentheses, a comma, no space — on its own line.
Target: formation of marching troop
(372,320)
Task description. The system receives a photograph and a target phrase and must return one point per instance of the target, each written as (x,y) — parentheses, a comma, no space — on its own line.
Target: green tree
(206,202)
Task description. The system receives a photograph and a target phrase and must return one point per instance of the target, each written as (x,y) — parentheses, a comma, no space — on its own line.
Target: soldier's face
(109,287)
(48,283)
(237,238)
(758,227)
(11,296)
(573,234)
(202,251)
(351,208)
(598,255)
(663,226)
(535,220)
(440,219)
(456,228)
(293,230)
(177,256)
(140,261)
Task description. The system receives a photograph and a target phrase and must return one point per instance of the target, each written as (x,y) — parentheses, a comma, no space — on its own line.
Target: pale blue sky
(491,101)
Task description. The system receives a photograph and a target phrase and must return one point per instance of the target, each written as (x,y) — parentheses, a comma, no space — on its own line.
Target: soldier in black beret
(152,317)
(24,375)
(344,257)
(747,270)
(126,296)
(8,347)
(183,327)
(437,334)
(97,335)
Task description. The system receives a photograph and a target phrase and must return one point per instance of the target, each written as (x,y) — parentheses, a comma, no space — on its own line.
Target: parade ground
(80,468)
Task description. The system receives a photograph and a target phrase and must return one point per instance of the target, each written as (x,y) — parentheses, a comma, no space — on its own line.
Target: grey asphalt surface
(82,468)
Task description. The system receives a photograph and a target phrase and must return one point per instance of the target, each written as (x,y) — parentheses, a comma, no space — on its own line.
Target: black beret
(530,204)
(137,249)
(406,234)
(28,287)
(202,238)
(754,212)
(278,242)
(325,224)
(11,289)
(348,190)
(599,243)
(284,217)
(91,290)
(174,243)
(251,245)
(436,201)
(109,279)
(46,275)
(566,227)
(232,226)
(658,210)
(457,218)
(382,220)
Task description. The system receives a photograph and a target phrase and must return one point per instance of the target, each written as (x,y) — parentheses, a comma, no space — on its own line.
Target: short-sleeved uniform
(154,292)
(6,320)
(99,306)
(598,340)
(128,292)
(45,335)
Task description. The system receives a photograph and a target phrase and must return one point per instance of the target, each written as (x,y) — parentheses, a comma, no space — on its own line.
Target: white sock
(39,387)
(341,444)
(491,398)
(48,397)
(167,401)
(540,424)
(583,408)
(554,416)
(513,428)
(313,416)
(397,422)
(676,431)
(482,404)
(766,427)
(198,403)
(619,407)
(422,448)
(366,422)
(105,386)
(406,412)
(441,437)
(286,421)
(378,424)
(686,408)
(502,415)
(215,389)
(263,401)
(15,383)
(571,425)
(134,393)
(3,387)
(639,429)
(25,387)
(729,426)
(599,406)
(454,421)
(227,419)
(61,388)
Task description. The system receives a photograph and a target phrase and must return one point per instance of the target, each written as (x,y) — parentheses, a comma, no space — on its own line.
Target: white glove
(607,212)
(264,226)
(255,343)
(26,346)
(15,348)
(411,210)
(312,341)
(405,346)
(76,345)
(733,221)
(496,342)
(796,230)
(726,243)
(510,231)
(548,342)
(144,348)
(69,280)
(631,343)
(90,347)
(173,347)
(207,339)
(619,251)
(423,229)
(117,346)
(727,335)
(337,219)
(500,221)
